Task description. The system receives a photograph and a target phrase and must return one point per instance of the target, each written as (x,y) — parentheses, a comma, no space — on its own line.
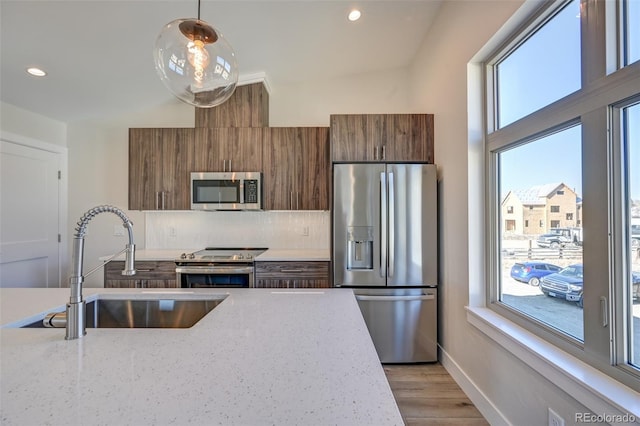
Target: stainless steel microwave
(226,191)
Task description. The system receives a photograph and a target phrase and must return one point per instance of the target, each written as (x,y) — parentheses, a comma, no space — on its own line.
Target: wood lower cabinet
(296,168)
(292,275)
(160,162)
(382,137)
(149,274)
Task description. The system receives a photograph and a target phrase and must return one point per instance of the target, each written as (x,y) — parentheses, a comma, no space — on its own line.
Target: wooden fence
(543,253)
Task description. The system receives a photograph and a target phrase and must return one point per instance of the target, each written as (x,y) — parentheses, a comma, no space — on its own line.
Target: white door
(29,216)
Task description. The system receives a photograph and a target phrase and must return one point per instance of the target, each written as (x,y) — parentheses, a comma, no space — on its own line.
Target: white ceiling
(98,54)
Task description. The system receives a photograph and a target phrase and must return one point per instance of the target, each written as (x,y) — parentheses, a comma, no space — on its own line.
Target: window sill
(592,388)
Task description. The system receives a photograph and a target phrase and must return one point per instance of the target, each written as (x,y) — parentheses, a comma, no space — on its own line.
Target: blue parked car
(531,272)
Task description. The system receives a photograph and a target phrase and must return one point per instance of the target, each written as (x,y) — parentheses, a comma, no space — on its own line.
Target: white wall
(312,104)
(34,126)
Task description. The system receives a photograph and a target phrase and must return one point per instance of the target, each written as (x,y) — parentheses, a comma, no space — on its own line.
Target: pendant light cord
(198,10)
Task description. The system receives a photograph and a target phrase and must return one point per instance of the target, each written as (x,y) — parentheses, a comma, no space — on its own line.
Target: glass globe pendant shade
(196,63)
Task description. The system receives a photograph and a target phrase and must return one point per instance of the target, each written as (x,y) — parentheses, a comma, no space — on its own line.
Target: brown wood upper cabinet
(228,150)
(247,107)
(160,161)
(296,168)
(382,137)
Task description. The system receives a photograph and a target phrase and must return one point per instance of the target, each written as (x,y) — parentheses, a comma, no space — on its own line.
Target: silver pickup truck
(560,237)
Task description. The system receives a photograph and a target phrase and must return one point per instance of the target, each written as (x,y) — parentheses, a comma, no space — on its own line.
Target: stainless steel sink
(135,313)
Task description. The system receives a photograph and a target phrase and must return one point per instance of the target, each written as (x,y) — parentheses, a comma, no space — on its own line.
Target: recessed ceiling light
(36,72)
(354,15)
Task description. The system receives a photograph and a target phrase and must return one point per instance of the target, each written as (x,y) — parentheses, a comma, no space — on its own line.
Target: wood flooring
(427,395)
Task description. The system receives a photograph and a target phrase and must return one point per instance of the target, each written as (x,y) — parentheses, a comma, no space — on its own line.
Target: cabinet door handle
(297,201)
(375,153)
(290,200)
(384,156)
(291,270)
(230,166)
(163,200)
(143,270)
(157,200)
(224,165)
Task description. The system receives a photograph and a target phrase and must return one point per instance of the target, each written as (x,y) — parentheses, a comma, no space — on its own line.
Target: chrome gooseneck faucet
(75,321)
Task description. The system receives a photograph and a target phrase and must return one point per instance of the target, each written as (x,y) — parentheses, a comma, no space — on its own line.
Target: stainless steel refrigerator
(385,247)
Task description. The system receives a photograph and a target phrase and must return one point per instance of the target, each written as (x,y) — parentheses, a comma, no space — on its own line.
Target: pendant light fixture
(195,62)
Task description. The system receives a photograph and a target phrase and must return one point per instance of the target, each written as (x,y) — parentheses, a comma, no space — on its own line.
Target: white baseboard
(479,399)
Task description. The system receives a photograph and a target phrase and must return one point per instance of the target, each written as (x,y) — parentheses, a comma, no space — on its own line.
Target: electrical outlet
(555,419)
(173,233)
(118,230)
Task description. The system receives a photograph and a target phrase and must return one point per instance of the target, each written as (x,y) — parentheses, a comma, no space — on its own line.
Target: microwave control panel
(251,191)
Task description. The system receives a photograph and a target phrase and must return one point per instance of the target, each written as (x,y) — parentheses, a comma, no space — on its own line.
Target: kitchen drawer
(149,274)
(145,270)
(292,275)
(280,270)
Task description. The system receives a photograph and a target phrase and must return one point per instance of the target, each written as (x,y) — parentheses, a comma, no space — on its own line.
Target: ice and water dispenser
(360,247)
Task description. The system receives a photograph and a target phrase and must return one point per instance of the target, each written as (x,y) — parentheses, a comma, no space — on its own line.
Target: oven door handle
(213,270)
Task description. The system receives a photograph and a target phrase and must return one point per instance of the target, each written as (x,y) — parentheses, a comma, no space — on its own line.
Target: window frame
(620,234)
(591,107)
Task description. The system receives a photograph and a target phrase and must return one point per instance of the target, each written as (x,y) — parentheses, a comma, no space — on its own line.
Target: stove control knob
(249,256)
(240,256)
(183,256)
(192,256)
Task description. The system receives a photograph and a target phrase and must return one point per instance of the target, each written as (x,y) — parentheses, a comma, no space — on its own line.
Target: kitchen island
(263,356)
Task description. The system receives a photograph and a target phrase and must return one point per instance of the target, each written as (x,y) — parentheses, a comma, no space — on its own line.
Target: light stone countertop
(295,255)
(263,356)
(269,255)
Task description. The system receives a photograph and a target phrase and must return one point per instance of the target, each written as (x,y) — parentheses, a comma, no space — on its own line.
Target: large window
(543,68)
(563,147)
(631,31)
(629,153)
(542,268)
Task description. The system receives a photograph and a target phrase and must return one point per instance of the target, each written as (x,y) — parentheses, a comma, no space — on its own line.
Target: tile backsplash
(272,229)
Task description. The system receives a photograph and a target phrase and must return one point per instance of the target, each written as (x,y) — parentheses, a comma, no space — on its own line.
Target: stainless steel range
(216,267)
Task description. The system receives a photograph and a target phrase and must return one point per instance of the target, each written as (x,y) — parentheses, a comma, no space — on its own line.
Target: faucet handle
(130,260)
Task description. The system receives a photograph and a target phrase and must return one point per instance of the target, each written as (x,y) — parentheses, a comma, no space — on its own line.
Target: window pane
(545,68)
(632,31)
(541,223)
(631,124)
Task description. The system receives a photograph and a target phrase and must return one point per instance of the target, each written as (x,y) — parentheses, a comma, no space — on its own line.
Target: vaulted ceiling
(98,54)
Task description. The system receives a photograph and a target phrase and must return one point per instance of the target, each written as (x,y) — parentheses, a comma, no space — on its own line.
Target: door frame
(63,153)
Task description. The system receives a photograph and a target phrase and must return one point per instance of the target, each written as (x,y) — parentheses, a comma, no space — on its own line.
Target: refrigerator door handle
(392,224)
(383,224)
(395,298)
